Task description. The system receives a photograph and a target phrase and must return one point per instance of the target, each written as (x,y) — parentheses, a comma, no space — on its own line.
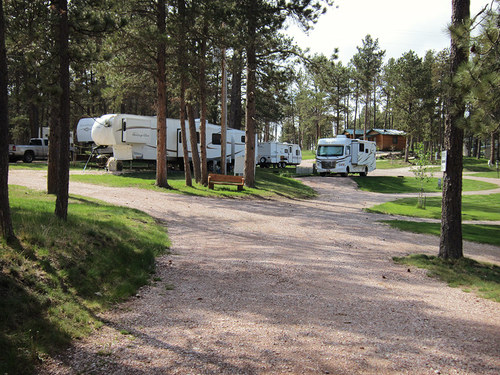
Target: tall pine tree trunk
(62,189)
(195,156)
(451,245)
(235,112)
(181,60)
(250,111)
(203,104)
(161,111)
(492,147)
(5,217)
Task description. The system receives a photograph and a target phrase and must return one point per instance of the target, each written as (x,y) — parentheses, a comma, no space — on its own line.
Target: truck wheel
(363,174)
(262,160)
(346,173)
(28,157)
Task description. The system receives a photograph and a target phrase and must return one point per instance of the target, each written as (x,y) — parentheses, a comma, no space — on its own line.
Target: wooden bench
(222,179)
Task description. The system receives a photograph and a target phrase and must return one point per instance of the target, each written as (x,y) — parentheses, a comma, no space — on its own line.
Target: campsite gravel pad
(285,286)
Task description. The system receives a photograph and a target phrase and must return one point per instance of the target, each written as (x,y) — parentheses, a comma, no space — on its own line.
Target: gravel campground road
(285,286)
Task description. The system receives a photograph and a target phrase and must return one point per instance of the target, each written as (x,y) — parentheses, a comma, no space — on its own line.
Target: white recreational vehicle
(344,155)
(84,130)
(279,154)
(133,137)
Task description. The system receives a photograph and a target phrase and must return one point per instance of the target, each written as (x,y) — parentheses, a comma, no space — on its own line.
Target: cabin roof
(388,132)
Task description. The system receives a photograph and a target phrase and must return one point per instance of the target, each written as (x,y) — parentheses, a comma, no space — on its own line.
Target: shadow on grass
(64,272)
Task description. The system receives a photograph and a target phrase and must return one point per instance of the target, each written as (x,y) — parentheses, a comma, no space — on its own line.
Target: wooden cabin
(386,139)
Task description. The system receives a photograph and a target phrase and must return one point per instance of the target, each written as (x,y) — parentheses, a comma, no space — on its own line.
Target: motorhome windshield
(330,150)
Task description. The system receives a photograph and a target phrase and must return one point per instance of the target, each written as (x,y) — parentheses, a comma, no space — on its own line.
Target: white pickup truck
(38,148)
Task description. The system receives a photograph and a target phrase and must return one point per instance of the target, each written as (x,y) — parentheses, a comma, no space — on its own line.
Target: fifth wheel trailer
(344,155)
(133,137)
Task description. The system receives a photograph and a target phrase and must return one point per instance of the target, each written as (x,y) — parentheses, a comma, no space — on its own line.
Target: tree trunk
(451,245)
(355,111)
(181,61)
(203,104)
(193,138)
(161,110)
(367,105)
(250,112)
(62,190)
(492,148)
(223,115)
(5,217)
(235,112)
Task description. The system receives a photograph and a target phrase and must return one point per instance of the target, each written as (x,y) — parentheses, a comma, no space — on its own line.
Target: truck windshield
(330,150)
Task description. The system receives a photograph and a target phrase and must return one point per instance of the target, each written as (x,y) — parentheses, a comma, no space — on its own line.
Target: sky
(399,25)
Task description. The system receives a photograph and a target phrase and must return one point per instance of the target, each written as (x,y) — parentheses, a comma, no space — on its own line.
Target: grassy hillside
(61,273)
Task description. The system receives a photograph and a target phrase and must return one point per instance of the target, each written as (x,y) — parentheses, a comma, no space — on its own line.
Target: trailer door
(354,152)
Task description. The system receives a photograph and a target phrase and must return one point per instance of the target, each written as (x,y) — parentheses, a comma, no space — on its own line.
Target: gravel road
(285,286)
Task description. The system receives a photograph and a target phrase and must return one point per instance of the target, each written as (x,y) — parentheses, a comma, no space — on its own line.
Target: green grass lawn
(480,278)
(392,164)
(490,174)
(396,185)
(60,274)
(488,234)
(474,207)
(269,182)
(475,165)
(308,154)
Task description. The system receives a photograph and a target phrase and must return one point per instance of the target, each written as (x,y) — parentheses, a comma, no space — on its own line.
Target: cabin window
(36,142)
(395,140)
(361,147)
(243,139)
(348,150)
(330,150)
(216,139)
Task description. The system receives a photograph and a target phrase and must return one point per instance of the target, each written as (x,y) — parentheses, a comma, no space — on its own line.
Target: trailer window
(46,142)
(216,139)
(297,152)
(361,147)
(330,150)
(242,139)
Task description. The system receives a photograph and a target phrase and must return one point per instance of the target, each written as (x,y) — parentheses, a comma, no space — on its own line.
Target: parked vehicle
(278,154)
(133,137)
(38,148)
(344,155)
(84,130)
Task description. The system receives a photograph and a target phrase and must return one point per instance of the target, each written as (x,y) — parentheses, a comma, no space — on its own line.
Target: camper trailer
(84,130)
(343,155)
(279,154)
(133,137)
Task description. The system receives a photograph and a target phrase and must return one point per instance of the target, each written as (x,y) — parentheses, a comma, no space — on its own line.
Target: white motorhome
(279,154)
(344,155)
(133,137)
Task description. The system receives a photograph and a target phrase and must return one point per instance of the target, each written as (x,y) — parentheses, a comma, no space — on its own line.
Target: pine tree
(451,245)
